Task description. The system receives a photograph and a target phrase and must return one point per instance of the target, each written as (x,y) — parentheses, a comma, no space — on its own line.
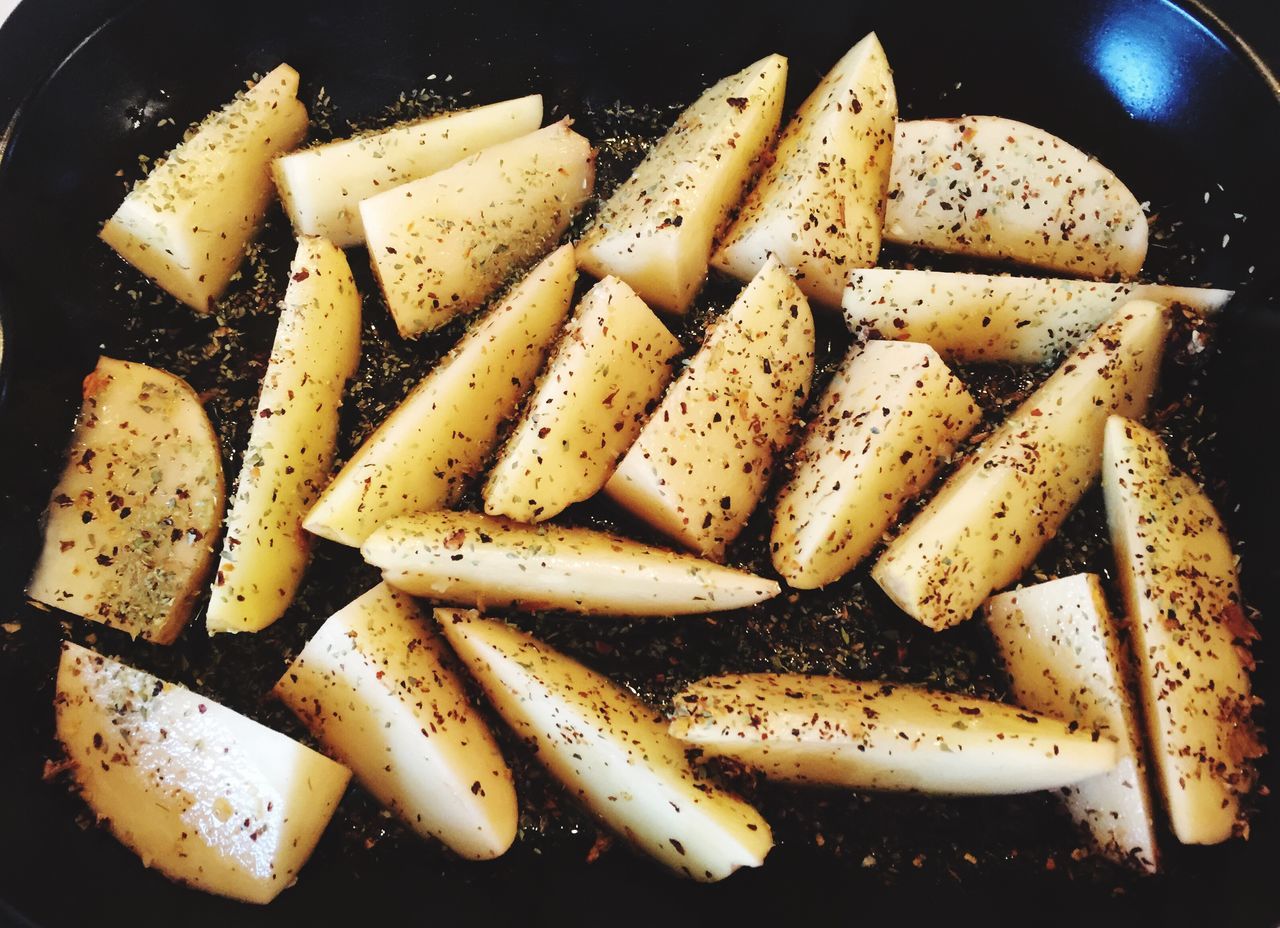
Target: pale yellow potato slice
(208,797)
(1010,496)
(186,224)
(820,205)
(1190,634)
(703,460)
(826,731)
(321,187)
(610,750)
(375,685)
(441,245)
(130,528)
(656,230)
(891,416)
(1065,658)
(291,442)
(603,379)
(997,188)
(468,559)
(421,457)
(985,317)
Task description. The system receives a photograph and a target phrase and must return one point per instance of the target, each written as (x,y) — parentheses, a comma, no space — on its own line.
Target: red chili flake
(454,541)
(302,275)
(738,103)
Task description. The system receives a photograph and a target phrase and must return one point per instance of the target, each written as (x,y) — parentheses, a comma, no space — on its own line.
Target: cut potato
(291,442)
(130,528)
(610,750)
(208,797)
(892,414)
(1065,659)
(820,205)
(374,685)
(442,244)
(1008,498)
(186,224)
(826,731)
(421,457)
(321,187)
(656,231)
(468,559)
(704,458)
(608,370)
(996,188)
(984,317)
(1191,637)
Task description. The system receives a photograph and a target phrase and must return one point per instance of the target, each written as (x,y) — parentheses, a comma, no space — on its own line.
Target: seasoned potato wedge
(892,414)
(130,528)
(610,750)
(834,732)
(321,187)
(422,455)
(185,225)
(442,244)
(608,369)
(820,205)
(656,231)
(473,560)
(997,188)
(704,458)
(1008,498)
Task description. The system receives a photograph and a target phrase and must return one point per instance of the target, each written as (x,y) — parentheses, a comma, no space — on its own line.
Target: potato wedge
(704,458)
(820,205)
(608,369)
(468,559)
(1065,658)
(1191,636)
(291,442)
(655,231)
(1008,498)
(208,797)
(376,688)
(985,317)
(131,525)
(610,750)
(422,455)
(186,224)
(891,416)
(441,245)
(997,188)
(321,187)
(826,731)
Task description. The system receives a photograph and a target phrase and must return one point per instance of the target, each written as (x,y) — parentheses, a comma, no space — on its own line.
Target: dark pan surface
(1176,110)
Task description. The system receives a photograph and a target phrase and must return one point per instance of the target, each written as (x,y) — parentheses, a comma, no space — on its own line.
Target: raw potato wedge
(376,688)
(704,458)
(208,797)
(610,750)
(130,528)
(656,231)
(820,205)
(826,731)
(997,188)
(984,317)
(468,559)
(1191,637)
(291,442)
(321,187)
(421,457)
(1065,659)
(186,224)
(891,416)
(1009,497)
(441,245)
(608,370)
